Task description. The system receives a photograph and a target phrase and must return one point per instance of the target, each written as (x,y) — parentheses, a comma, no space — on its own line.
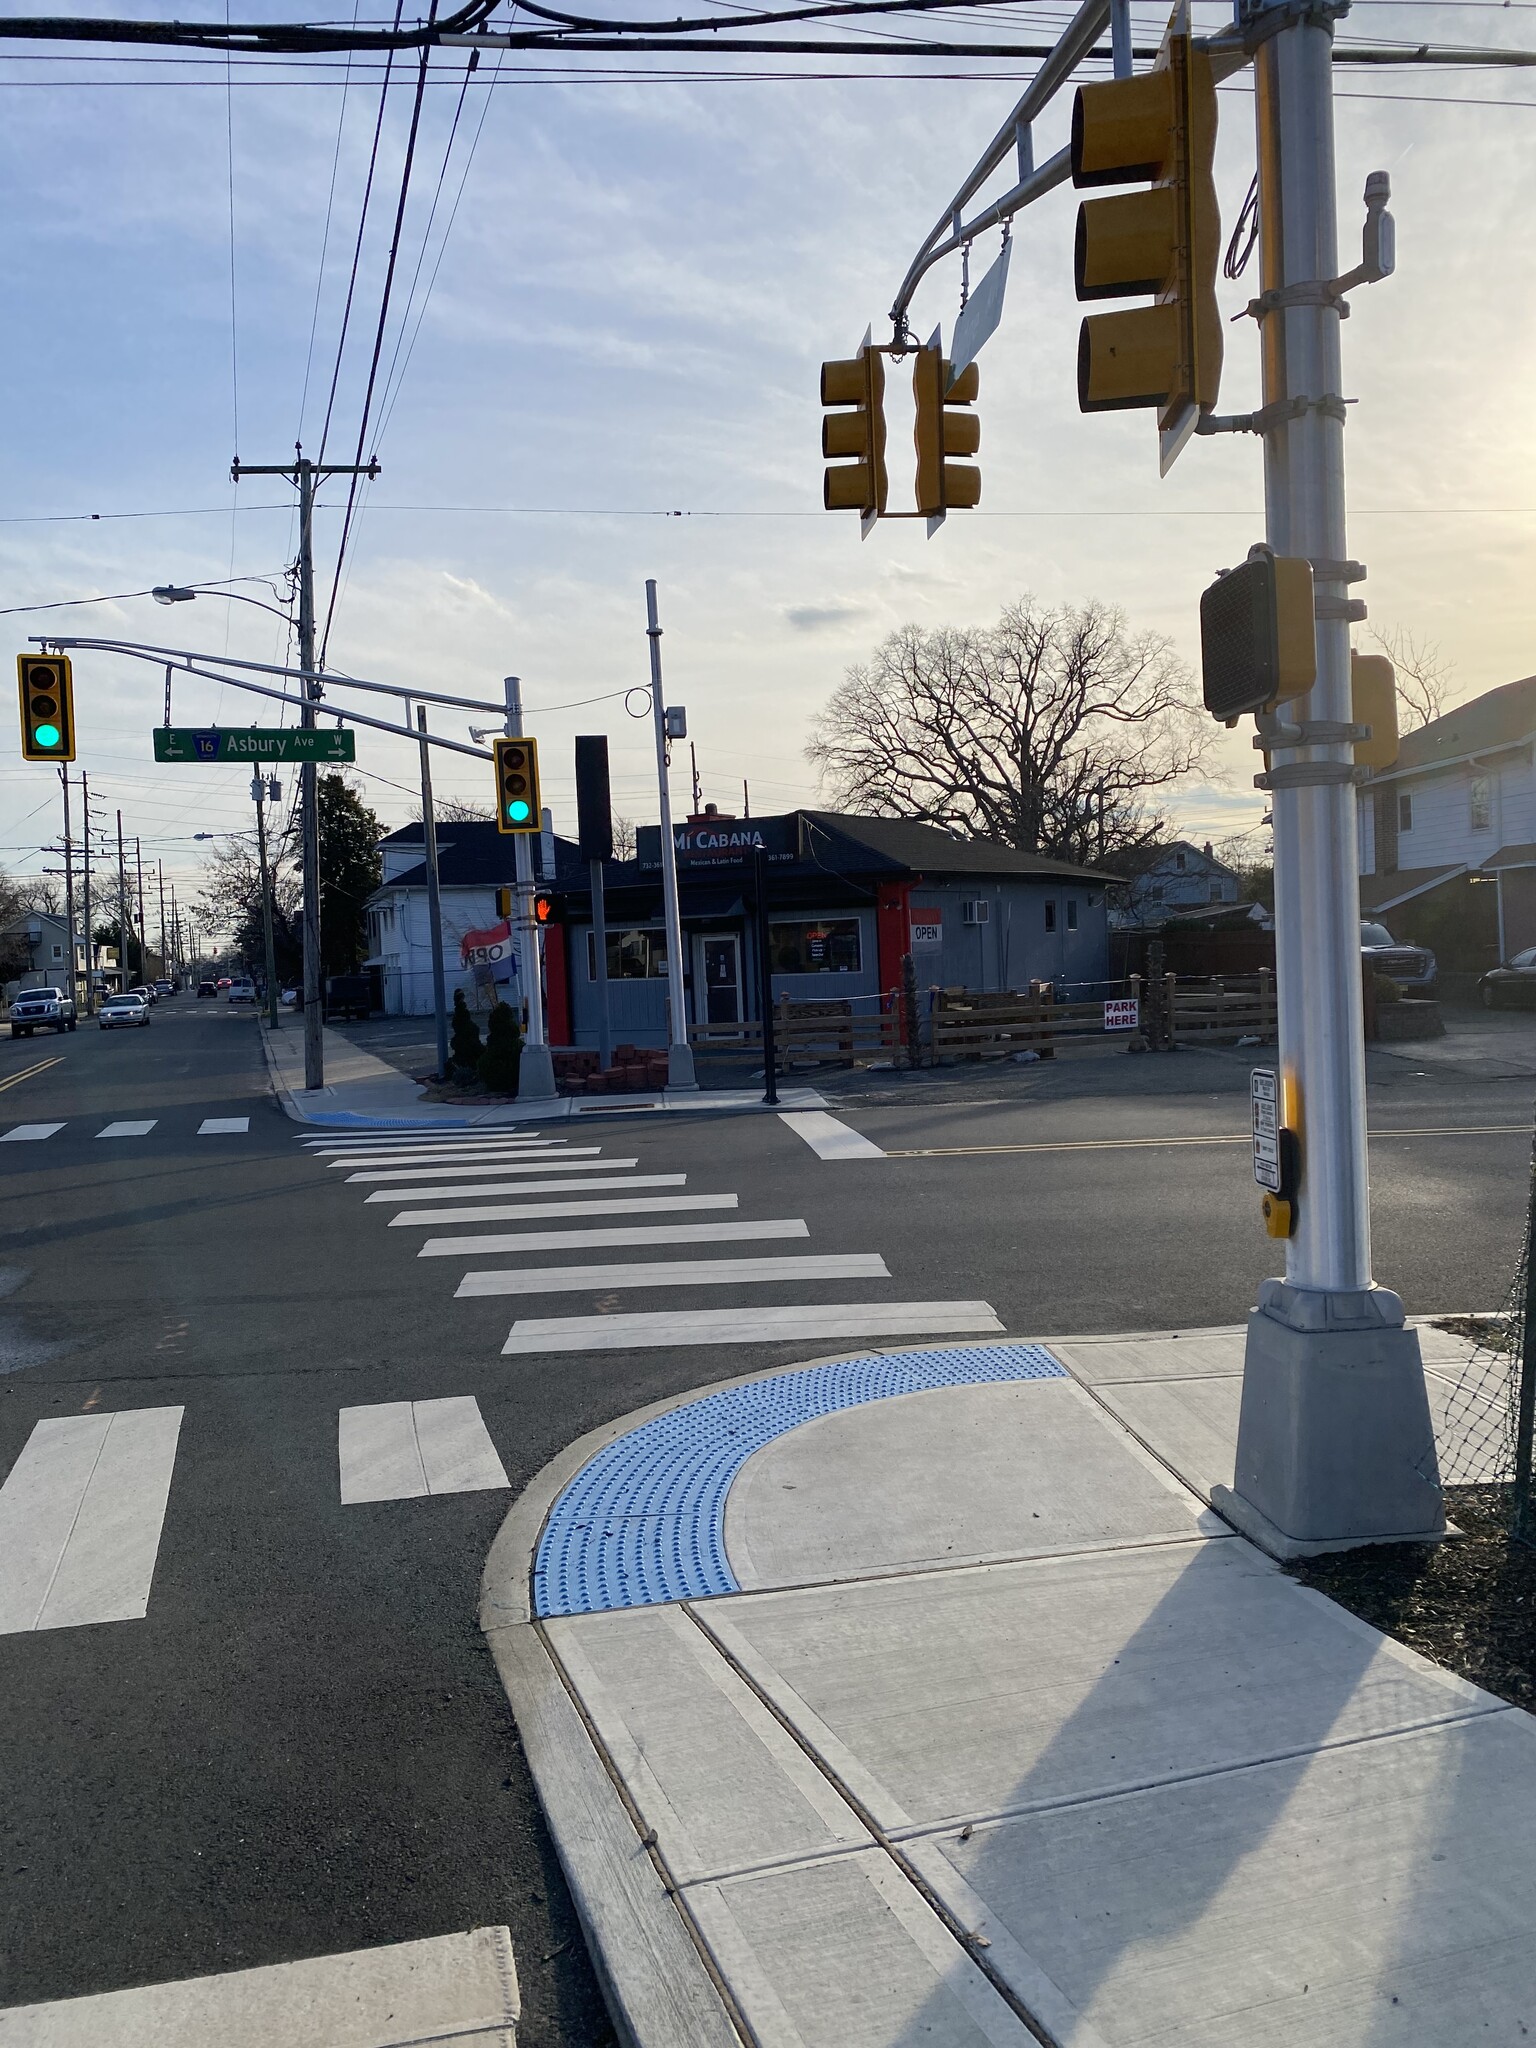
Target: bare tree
(455,810)
(1048,731)
(623,837)
(1423,676)
(231,887)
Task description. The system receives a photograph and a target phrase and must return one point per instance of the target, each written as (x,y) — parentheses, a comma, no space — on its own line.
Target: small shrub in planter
(503,1055)
(465,1047)
(1387,990)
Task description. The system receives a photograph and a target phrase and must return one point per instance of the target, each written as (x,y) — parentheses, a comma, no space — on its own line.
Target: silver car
(123,1011)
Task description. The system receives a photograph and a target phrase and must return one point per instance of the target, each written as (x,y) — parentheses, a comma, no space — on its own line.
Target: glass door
(719,961)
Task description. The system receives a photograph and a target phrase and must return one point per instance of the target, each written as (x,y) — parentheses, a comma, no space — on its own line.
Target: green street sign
(251,744)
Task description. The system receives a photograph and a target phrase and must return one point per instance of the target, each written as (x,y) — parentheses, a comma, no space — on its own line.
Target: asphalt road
(303,1748)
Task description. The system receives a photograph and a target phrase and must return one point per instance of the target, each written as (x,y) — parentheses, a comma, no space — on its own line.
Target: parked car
(292,998)
(164,988)
(42,1009)
(124,1011)
(1413,968)
(242,992)
(207,989)
(349,995)
(1512,982)
(143,990)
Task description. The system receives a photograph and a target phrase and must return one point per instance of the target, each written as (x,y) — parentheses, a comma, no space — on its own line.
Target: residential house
(1169,879)
(1447,835)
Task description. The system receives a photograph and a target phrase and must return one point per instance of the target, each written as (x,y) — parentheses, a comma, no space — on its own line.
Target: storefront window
(827,945)
(632,956)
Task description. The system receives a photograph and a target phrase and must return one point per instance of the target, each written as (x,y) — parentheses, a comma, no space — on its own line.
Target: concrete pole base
(1335,1443)
(680,1072)
(536,1075)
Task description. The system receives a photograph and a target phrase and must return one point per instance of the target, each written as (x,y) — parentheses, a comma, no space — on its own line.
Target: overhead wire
(325,234)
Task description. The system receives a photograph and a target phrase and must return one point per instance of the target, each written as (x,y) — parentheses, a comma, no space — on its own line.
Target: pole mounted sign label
(251,743)
(1265,1088)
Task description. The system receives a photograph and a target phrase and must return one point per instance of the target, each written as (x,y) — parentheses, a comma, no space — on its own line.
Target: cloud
(816,618)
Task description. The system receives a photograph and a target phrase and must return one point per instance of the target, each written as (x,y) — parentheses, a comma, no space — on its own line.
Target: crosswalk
(128,1127)
(493,1178)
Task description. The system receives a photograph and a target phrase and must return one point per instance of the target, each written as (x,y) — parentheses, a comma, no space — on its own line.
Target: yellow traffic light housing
(1373,702)
(1161,126)
(47,687)
(517,786)
(857,383)
(940,430)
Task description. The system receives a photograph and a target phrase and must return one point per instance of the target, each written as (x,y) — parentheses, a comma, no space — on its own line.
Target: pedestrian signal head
(47,707)
(1258,639)
(517,785)
(1373,702)
(543,908)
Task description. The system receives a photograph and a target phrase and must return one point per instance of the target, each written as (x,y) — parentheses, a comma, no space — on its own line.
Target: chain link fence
(1486,1427)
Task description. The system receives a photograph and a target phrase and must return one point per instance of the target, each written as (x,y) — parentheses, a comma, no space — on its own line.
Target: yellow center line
(1226,1138)
(26,1073)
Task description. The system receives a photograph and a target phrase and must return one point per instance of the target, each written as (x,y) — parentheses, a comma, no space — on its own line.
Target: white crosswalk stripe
(401,1450)
(564,1164)
(223,1126)
(27,1134)
(140,1129)
(80,1518)
(622,1234)
(333,1141)
(828,1138)
(543,1187)
(675,1273)
(472,1155)
(750,1326)
(512,1212)
(413,1171)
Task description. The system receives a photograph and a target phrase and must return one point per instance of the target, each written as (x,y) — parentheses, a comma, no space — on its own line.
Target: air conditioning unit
(975,910)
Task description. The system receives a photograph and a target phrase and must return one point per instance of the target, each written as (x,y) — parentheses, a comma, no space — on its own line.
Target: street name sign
(252,743)
(1264,1086)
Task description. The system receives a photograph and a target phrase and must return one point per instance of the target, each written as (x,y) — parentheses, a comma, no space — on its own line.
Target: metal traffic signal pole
(434,897)
(536,1072)
(259,792)
(1335,1443)
(680,1073)
(305,474)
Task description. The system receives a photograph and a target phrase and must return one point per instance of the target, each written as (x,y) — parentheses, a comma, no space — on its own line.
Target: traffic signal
(47,707)
(543,908)
(858,382)
(941,429)
(1159,125)
(1373,702)
(1258,639)
(517,786)
(503,902)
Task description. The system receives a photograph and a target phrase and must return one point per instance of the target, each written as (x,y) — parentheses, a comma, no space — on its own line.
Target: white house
(1176,877)
(1447,835)
(473,860)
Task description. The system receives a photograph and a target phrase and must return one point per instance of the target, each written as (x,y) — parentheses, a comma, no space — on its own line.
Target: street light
(184,593)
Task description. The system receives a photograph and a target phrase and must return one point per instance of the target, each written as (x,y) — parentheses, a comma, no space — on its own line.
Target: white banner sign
(1122,1016)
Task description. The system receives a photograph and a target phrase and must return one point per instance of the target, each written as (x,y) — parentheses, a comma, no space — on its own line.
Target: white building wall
(400,937)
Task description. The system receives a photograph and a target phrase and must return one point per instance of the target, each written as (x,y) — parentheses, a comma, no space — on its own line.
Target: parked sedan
(123,1011)
(1511,983)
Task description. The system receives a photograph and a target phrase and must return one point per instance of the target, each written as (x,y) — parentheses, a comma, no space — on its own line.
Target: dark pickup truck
(349,995)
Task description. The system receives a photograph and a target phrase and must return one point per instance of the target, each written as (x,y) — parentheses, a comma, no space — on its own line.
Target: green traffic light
(517,810)
(45,735)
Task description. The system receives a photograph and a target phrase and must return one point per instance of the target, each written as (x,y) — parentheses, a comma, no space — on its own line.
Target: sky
(634,276)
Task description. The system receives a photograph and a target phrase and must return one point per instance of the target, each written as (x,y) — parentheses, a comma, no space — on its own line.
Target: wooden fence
(957,1024)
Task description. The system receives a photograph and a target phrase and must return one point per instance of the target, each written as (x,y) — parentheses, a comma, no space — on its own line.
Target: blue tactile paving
(644,1521)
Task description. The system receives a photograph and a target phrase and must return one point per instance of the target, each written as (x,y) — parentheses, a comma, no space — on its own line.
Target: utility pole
(680,1072)
(176,945)
(536,1075)
(434,897)
(122,907)
(1335,1442)
(90,936)
(258,793)
(305,474)
(138,855)
(69,891)
(165,957)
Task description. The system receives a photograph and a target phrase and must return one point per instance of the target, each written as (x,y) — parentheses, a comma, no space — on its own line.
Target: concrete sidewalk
(363,1090)
(920,1696)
